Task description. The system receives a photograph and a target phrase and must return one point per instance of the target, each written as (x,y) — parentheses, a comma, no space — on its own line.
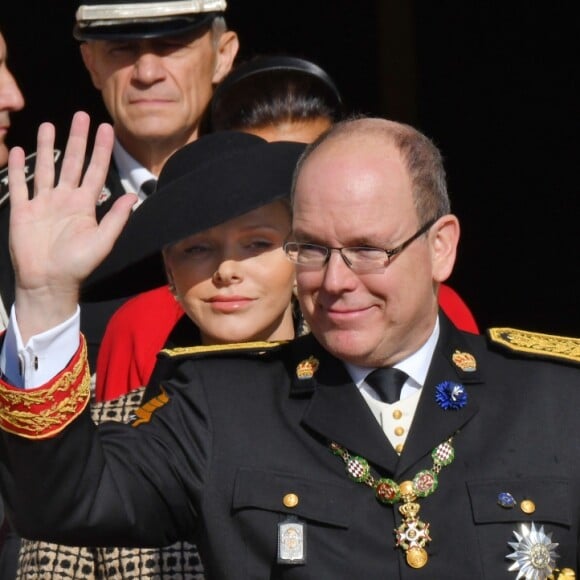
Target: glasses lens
(365,259)
(305,254)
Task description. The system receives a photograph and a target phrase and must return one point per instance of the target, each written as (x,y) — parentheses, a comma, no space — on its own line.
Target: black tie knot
(148,187)
(387,382)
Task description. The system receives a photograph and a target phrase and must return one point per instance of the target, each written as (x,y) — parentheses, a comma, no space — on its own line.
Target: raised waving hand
(55,240)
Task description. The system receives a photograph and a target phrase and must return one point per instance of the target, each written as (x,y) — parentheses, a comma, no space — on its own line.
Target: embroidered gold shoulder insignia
(307,368)
(257,347)
(144,413)
(465,361)
(536,343)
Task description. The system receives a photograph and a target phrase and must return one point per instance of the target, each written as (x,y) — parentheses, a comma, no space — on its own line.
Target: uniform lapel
(338,412)
(432,424)
(112,190)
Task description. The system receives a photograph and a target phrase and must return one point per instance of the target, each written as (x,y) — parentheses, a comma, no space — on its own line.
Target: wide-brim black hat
(133,19)
(219,177)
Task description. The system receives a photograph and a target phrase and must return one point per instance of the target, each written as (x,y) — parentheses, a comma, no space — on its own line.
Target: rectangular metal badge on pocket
(292,541)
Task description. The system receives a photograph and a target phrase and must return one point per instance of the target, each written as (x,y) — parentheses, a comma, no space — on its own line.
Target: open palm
(55,239)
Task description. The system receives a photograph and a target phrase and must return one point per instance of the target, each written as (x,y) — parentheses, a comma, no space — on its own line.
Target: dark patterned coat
(44,560)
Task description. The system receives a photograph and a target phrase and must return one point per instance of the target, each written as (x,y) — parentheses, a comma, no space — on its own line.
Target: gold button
(399,431)
(528,506)
(290,500)
(397,414)
(399,448)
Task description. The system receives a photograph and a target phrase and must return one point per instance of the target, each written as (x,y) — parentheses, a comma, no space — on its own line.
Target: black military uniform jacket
(216,459)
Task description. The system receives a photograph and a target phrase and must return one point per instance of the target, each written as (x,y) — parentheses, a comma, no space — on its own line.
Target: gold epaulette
(258,347)
(537,344)
(45,411)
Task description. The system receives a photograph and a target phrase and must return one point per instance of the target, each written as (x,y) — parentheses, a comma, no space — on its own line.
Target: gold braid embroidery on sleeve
(59,413)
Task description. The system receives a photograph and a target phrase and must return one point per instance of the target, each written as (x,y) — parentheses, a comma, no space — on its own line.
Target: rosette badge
(450,396)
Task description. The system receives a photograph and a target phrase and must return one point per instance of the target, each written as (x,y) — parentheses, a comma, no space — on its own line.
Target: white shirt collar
(131,172)
(416,366)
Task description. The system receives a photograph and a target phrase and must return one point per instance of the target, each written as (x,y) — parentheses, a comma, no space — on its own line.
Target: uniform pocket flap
(316,500)
(550,497)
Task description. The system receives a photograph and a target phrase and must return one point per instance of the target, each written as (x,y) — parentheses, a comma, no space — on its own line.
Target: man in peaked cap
(156,64)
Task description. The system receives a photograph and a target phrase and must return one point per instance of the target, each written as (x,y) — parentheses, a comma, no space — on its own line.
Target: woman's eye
(197,250)
(260,245)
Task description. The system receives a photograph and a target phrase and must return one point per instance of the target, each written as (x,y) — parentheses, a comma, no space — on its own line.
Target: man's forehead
(343,161)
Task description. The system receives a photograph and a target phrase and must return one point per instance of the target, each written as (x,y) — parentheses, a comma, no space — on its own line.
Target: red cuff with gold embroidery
(45,411)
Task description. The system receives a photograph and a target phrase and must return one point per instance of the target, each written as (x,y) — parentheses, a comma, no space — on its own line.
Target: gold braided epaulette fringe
(45,411)
(536,343)
(257,347)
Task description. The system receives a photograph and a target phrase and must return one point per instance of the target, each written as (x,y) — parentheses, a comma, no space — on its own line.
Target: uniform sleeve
(68,481)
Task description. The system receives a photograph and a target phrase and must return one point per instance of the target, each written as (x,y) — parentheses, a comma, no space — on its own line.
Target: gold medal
(412,534)
(417,557)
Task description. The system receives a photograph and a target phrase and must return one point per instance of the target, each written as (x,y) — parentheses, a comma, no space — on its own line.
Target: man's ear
(88,56)
(444,237)
(227,49)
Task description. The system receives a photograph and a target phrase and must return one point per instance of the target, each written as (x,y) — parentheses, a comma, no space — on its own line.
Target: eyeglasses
(357,258)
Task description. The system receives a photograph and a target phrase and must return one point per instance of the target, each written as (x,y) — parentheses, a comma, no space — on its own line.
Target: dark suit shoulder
(29,169)
(537,345)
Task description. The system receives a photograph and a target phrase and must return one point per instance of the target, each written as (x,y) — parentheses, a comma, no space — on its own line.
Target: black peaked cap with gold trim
(134,19)
(216,178)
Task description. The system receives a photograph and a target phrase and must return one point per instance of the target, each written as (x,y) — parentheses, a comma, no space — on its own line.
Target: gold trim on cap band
(88,14)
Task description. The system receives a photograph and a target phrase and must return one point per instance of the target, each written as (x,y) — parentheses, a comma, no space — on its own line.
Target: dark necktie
(148,187)
(387,382)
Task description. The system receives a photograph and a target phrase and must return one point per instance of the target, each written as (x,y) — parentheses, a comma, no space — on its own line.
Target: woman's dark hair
(268,90)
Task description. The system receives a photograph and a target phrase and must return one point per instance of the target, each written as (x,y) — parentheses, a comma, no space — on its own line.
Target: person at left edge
(155,64)
(11,101)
